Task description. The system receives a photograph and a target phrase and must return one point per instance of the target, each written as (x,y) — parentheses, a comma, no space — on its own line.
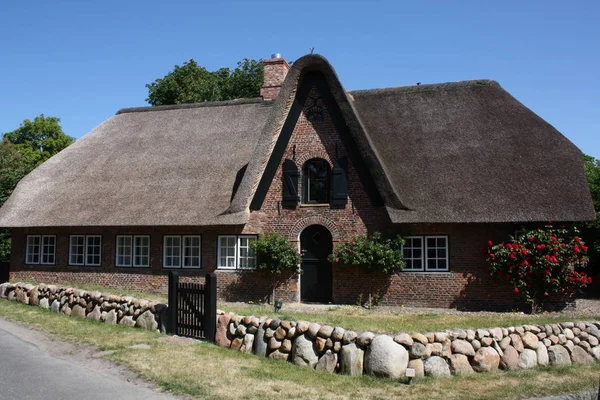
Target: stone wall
(93,305)
(437,354)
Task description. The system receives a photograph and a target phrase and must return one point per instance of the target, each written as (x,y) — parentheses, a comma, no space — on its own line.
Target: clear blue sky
(81,60)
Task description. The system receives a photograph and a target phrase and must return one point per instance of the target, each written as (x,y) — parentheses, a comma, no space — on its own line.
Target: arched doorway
(316,281)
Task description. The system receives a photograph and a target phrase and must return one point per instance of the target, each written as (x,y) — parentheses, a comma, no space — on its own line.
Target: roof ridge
(255,100)
(428,87)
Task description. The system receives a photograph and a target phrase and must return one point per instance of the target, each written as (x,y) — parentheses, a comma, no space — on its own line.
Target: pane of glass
(417,253)
(417,264)
(317,181)
(431,253)
(432,264)
(431,242)
(441,242)
(441,253)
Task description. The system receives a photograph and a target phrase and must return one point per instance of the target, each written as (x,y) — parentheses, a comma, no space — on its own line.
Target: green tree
(590,231)
(192,83)
(38,140)
(20,152)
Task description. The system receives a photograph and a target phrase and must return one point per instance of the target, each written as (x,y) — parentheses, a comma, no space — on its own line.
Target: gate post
(210,307)
(172,310)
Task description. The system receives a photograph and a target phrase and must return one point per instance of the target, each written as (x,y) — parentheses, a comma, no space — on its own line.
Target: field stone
(22,297)
(593,341)
(111,317)
(279,334)
(437,367)
(240,330)
(320,345)
(337,346)
(303,353)
(440,337)
(460,346)
(530,340)
(147,321)
(496,333)
(596,352)
(568,333)
(487,341)
(248,343)
(459,365)
(486,360)
(274,324)
(558,355)
(313,330)
(126,320)
(419,337)
(95,314)
(34,297)
(510,359)
(236,343)
(476,344)
(301,327)
(274,344)
(290,333)
(259,347)
(78,311)
(351,360)
(338,333)
(580,356)
(542,355)
(286,324)
(470,335)
(504,343)
(386,358)
(325,331)
(419,350)
(365,339)
(349,337)
(436,349)
(430,337)
(277,355)
(418,366)
(528,359)
(404,339)
(44,303)
(327,362)
(516,342)
(569,346)
(286,346)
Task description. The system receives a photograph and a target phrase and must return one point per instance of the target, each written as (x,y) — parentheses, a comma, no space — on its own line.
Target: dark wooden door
(316,281)
(4,272)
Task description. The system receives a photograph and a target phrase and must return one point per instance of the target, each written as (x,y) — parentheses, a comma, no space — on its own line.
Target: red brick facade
(466,284)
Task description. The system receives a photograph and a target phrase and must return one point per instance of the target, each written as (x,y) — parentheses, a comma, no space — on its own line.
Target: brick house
(188,187)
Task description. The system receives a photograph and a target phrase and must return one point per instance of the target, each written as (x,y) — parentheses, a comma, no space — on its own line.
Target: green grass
(356,318)
(206,371)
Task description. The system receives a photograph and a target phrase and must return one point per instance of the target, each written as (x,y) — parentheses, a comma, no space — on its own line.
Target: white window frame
(86,248)
(134,248)
(182,248)
(40,253)
(424,257)
(237,253)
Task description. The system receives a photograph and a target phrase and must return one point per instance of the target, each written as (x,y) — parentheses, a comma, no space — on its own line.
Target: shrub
(540,263)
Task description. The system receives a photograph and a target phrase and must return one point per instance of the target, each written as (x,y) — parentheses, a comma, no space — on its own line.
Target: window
(85,250)
(133,251)
(41,249)
(426,253)
(317,175)
(234,252)
(182,251)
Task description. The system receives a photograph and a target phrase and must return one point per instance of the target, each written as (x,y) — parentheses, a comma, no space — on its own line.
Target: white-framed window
(41,249)
(426,253)
(182,251)
(85,250)
(133,251)
(234,252)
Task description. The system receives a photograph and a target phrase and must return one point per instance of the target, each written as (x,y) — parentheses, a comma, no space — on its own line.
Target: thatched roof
(456,152)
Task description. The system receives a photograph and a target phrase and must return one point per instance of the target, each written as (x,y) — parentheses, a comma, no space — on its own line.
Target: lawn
(206,371)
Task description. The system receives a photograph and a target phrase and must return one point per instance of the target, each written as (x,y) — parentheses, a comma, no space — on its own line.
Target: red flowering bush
(371,254)
(540,262)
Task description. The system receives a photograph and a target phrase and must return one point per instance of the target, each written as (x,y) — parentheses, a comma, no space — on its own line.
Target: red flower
(492,255)
(524,252)
(490,244)
(337,260)
(516,290)
(576,249)
(512,256)
(577,239)
(531,238)
(349,250)
(521,276)
(509,246)
(584,248)
(353,243)
(546,294)
(563,245)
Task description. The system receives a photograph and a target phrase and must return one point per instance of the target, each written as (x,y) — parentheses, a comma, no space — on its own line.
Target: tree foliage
(540,263)
(20,152)
(38,140)
(274,253)
(192,83)
(591,230)
(371,253)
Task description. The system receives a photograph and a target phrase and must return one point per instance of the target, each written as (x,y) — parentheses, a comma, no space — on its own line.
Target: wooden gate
(4,272)
(193,307)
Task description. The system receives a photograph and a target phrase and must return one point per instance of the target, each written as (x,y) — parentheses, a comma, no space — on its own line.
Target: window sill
(132,266)
(302,205)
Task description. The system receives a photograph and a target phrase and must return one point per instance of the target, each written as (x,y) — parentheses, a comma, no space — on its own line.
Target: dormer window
(317,179)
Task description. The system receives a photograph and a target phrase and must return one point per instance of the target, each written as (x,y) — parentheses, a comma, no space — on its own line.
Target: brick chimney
(276,68)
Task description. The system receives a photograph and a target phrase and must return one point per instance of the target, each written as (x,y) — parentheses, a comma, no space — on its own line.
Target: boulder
(530,340)
(510,358)
(459,365)
(486,360)
(126,320)
(95,314)
(528,359)
(44,303)
(437,367)
(418,366)
(78,311)
(385,358)
(580,356)
(147,321)
(111,317)
(259,346)
(303,352)
(558,355)
(542,355)
(460,346)
(327,362)
(351,360)
(222,336)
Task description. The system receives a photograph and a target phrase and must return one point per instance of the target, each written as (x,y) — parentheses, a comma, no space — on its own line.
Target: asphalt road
(32,366)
